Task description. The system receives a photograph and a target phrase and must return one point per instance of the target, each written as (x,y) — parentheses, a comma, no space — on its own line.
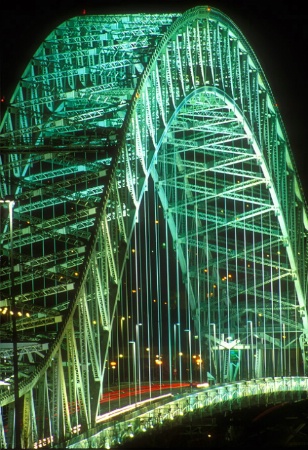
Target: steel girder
(106,103)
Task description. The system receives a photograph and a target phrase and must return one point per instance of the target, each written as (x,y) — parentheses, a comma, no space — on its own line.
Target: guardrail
(145,415)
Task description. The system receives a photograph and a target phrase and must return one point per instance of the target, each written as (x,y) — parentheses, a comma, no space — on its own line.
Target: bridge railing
(211,400)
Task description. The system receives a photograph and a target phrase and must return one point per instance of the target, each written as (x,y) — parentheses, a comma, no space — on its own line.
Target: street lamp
(17,428)
(213,350)
(190,355)
(138,356)
(251,349)
(175,325)
(133,343)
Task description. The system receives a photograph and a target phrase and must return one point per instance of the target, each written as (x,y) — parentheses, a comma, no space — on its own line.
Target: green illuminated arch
(109,108)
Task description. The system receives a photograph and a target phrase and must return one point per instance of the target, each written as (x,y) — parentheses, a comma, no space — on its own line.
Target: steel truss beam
(109,108)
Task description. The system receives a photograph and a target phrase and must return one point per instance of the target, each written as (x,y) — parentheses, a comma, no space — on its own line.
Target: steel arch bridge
(153,224)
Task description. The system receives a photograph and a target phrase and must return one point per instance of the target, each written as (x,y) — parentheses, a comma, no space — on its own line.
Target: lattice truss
(108,107)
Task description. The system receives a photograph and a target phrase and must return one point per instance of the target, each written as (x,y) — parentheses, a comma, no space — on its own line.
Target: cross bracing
(157,212)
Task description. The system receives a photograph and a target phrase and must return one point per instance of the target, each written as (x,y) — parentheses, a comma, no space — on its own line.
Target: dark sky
(277,31)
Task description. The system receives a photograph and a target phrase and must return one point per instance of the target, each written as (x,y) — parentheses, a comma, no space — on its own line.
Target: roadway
(284,425)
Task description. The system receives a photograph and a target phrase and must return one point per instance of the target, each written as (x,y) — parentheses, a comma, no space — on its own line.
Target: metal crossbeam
(159,228)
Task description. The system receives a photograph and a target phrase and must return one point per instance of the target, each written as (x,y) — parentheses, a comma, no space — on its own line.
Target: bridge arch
(113,116)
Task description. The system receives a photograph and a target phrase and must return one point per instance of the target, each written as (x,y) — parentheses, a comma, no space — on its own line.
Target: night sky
(277,32)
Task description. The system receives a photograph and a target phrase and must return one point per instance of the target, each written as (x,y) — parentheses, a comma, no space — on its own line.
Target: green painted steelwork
(115,120)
